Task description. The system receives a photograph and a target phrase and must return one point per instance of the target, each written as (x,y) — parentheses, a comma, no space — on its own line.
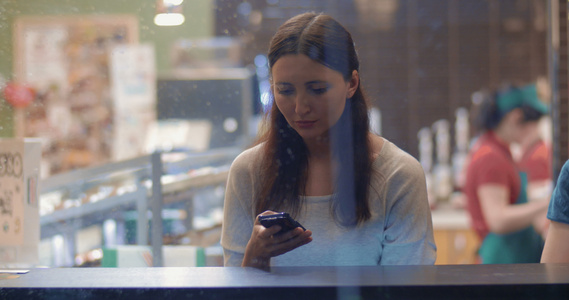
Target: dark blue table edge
(526,291)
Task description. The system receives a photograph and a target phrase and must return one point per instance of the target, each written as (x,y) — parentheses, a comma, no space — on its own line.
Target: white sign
(133,77)
(19,213)
(12,191)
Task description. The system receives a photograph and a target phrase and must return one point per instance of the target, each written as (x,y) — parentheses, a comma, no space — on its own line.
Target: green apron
(524,246)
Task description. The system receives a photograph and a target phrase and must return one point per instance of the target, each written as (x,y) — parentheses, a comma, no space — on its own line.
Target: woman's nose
(302,105)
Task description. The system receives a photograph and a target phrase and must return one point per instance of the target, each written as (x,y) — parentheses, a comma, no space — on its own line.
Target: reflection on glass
(91,108)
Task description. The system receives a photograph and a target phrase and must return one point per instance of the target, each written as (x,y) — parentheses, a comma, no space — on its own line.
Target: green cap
(518,97)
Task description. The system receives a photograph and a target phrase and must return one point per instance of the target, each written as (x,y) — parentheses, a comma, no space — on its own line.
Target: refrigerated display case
(119,203)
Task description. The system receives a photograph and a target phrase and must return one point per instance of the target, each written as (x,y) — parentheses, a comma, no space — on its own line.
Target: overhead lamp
(169,13)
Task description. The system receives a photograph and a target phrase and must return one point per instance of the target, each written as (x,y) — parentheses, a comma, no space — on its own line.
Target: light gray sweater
(400,231)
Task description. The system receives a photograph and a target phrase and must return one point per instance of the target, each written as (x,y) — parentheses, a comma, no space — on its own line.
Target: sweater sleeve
(238,218)
(408,233)
(559,205)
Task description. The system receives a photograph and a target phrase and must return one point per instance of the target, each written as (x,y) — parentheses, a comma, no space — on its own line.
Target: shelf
(195,182)
(106,205)
(130,199)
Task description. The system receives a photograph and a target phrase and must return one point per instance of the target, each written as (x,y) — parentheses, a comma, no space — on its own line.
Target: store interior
(139,108)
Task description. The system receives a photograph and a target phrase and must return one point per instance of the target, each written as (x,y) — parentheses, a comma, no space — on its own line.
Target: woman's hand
(267,242)
(503,217)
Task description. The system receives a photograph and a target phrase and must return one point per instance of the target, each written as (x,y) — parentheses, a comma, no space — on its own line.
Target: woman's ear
(353,84)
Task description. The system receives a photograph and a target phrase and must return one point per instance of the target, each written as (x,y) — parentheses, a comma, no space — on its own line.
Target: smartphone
(282,219)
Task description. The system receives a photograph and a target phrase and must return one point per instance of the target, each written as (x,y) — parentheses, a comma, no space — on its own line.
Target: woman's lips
(305,124)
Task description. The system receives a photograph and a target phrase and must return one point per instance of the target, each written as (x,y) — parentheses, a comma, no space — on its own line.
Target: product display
(192,187)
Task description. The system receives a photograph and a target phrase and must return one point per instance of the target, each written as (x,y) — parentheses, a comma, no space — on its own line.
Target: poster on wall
(133,81)
(65,59)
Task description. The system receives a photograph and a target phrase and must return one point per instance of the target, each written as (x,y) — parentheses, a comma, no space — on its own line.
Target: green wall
(199,23)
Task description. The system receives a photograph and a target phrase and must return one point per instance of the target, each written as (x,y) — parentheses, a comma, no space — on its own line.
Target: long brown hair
(285,156)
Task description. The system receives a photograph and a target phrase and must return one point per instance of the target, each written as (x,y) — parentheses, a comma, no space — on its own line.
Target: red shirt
(536,162)
(490,163)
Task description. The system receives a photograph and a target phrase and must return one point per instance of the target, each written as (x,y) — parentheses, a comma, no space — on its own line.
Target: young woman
(362,200)
(495,189)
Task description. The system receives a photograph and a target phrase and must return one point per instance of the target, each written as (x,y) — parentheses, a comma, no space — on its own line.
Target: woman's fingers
(285,236)
(266,212)
(268,242)
(301,239)
(266,233)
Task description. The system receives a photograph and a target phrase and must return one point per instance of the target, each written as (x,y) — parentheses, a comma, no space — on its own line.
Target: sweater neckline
(314,199)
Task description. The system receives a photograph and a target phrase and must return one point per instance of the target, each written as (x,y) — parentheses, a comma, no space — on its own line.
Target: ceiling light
(166,19)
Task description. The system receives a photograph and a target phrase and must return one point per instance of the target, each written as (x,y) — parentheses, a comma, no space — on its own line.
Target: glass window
(106,84)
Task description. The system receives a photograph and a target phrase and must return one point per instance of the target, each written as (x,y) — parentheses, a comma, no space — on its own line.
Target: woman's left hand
(268,242)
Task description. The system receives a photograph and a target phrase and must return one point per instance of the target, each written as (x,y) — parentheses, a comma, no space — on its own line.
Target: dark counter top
(521,281)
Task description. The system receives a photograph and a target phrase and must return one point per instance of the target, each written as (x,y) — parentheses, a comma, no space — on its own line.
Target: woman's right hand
(267,242)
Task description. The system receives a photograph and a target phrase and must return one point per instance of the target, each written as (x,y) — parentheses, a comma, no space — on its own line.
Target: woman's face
(512,127)
(311,96)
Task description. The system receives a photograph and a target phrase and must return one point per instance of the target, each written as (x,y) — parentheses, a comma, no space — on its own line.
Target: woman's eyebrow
(315,82)
(287,84)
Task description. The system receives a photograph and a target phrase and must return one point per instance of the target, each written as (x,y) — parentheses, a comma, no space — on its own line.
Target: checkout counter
(457,242)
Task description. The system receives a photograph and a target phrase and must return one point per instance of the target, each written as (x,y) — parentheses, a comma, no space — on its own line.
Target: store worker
(362,200)
(556,249)
(495,189)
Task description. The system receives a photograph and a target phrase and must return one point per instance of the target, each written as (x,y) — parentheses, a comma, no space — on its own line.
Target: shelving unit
(91,196)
